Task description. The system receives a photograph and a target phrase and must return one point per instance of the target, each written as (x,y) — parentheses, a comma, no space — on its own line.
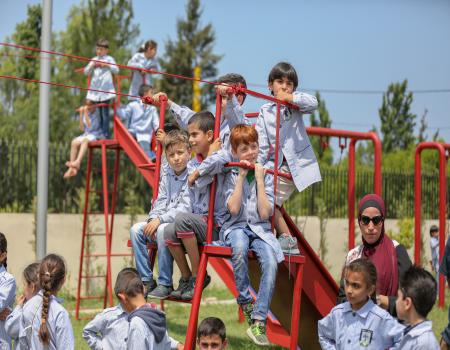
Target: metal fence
(18,164)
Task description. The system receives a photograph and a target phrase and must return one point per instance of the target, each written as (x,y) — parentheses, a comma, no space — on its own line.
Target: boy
(295,153)
(143,60)
(141,120)
(190,227)
(173,197)
(211,334)
(102,79)
(434,246)
(147,325)
(416,297)
(249,199)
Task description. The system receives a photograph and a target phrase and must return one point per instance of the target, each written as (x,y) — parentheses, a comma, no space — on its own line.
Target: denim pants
(104,118)
(241,240)
(165,260)
(147,149)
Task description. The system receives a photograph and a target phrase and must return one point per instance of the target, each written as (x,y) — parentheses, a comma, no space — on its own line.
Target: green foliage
(322,214)
(321,146)
(405,234)
(397,122)
(193,46)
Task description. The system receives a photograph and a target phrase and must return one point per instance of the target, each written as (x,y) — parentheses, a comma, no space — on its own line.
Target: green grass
(178,316)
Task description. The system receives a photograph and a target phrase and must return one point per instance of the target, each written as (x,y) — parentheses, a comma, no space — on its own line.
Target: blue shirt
(58,324)
(108,330)
(370,327)
(419,337)
(141,119)
(95,128)
(434,245)
(137,78)
(248,216)
(294,145)
(12,325)
(173,195)
(101,78)
(7,296)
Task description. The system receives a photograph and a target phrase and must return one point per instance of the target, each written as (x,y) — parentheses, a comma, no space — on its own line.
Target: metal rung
(94,276)
(94,297)
(95,234)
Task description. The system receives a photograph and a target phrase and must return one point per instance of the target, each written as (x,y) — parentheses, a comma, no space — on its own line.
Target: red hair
(242,133)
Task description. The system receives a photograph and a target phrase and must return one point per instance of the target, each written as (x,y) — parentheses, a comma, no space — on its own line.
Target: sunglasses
(365,220)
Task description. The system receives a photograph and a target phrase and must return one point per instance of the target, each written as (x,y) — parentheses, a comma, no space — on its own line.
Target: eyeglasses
(365,220)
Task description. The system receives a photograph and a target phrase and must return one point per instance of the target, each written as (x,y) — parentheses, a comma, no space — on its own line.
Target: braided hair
(52,273)
(3,248)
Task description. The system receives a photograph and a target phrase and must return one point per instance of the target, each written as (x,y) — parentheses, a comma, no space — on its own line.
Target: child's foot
(148,287)
(288,244)
(161,292)
(68,163)
(188,294)
(70,173)
(257,333)
(182,286)
(247,310)
(75,164)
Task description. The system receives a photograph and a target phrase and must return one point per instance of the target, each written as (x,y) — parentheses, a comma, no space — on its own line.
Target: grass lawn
(178,315)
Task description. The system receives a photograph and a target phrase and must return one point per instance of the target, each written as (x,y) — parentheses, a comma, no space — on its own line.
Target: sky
(355,48)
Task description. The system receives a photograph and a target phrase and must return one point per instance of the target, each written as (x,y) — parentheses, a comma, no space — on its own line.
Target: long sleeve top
(7,296)
(101,78)
(141,119)
(137,78)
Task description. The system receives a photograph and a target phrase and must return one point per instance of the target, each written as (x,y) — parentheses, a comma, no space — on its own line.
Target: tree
(423,127)
(397,122)
(321,118)
(193,46)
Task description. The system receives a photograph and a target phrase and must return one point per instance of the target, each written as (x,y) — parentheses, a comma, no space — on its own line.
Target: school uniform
(12,325)
(137,78)
(94,131)
(173,198)
(141,121)
(102,79)
(245,231)
(108,330)
(295,153)
(58,324)
(7,296)
(370,327)
(419,337)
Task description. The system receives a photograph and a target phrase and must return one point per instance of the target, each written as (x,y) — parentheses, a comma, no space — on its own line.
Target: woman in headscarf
(389,257)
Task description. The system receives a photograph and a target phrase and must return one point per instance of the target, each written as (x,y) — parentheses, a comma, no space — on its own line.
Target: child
(173,197)
(434,246)
(249,199)
(190,228)
(7,292)
(416,297)
(45,322)
(102,79)
(359,322)
(295,153)
(30,289)
(141,120)
(147,325)
(143,60)
(90,124)
(211,334)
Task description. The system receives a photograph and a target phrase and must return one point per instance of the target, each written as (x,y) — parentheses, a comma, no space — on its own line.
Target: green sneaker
(257,333)
(247,310)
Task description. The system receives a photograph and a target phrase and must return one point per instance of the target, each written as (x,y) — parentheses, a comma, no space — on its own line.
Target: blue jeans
(104,118)
(146,147)
(241,240)
(165,260)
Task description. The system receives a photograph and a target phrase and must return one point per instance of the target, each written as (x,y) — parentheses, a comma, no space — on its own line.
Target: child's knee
(137,230)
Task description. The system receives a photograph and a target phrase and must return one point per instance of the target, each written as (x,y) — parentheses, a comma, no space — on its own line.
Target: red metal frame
(441,148)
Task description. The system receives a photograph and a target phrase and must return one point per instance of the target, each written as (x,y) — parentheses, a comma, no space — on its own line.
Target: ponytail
(51,277)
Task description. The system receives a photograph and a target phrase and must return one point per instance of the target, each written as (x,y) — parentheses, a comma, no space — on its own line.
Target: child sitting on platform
(249,199)
(173,197)
(359,322)
(142,120)
(211,334)
(90,124)
(416,297)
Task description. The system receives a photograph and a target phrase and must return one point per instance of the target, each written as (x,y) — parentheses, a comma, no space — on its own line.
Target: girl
(359,322)
(7,293)
(30,288)
(45,322)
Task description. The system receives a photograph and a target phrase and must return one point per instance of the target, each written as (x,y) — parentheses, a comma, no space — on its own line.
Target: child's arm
(94,331)
(13,322)
(90,66)
(434,243)
(265,208)
(136,61)
(235,199)
(263,139)
(64,332)
(211,165)
(327,332)
(155,119)
(110,63)
(307,103)
(181,114)
(7,293)
(158,209)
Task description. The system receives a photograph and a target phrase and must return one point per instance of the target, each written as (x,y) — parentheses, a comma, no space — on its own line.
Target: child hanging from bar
(295,153)
(89,123)
(141,119)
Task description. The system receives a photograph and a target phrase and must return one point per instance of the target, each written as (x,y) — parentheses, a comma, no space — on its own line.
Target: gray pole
(44,107)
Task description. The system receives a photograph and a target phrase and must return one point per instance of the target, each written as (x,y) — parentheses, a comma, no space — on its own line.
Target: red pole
(417,204)
(275,165)
(162,111)
(442,212)
(351,194)
(377,163)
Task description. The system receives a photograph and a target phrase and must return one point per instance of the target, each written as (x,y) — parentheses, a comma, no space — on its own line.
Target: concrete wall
(64,238)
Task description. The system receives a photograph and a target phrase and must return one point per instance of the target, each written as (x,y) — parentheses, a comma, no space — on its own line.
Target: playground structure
(444,152)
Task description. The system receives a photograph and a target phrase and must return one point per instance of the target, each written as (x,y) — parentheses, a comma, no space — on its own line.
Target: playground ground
(220,303)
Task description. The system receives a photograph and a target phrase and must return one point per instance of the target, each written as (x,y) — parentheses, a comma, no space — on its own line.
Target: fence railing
(18,165)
